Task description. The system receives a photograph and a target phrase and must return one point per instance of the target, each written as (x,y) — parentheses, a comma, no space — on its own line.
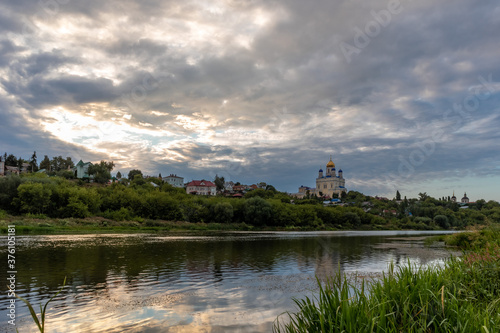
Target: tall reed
(43,310)
(406,299)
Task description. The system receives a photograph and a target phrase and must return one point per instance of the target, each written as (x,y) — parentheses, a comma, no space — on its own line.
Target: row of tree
(54,165)
(58,197)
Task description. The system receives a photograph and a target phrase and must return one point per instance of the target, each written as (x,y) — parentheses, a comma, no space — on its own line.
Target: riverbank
(462,296)
(26,225)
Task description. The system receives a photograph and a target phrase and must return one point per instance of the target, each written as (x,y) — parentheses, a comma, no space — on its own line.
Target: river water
(207,282)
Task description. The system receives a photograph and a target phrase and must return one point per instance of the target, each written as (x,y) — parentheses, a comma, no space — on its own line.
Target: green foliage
(138,181)
(442,221)
(223,212)
(57,197)
(352,219)
(101,171)
(257,211)
(409,299)
(65,174)
(259,193)
(219,183)
(33,198)
(8,191)
(132,173)
(59,163)
(45,163)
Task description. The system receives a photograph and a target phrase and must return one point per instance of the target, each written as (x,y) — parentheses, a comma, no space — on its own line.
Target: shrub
(257,211)
(223,212)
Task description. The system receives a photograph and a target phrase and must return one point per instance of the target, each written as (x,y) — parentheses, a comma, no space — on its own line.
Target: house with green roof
(81,169)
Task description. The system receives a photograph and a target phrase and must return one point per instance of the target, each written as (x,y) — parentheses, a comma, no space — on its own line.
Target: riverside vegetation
(37,203)
(461,296)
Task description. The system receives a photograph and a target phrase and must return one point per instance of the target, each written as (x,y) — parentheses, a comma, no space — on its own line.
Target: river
(190,282)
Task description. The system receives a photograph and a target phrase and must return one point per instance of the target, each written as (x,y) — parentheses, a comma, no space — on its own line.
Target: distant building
(304,191)
(330,183)
(2,168)
(25,168)
(11,170)
(174,180)
(81,169)
(201,187)
(239,188)
(228,186)
(465,199)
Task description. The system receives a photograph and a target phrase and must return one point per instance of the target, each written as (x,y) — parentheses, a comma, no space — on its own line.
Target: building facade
(81,169)
(330,183)
(201,187)
(174,180)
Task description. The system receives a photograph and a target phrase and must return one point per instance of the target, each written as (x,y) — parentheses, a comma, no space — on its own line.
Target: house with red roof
(201,187)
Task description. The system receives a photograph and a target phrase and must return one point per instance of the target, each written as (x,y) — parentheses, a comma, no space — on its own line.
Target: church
(329,183)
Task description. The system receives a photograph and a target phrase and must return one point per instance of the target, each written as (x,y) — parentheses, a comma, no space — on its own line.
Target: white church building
(330,183)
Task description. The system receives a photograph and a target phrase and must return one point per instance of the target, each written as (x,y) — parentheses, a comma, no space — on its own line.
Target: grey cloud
(68,90)
(396,90)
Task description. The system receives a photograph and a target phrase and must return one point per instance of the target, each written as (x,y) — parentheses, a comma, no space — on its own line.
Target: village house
(81,169)
(201,187)
(174,180)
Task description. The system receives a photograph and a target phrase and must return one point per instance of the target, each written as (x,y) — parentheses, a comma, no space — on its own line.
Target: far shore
(99,225)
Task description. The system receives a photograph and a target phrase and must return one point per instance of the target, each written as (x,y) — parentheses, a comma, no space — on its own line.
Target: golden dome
(330,164)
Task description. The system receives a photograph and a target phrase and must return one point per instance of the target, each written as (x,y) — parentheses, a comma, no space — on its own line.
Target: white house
(174,180)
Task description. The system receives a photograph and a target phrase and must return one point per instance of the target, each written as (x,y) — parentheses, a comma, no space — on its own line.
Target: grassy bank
(33,225)
(462,296)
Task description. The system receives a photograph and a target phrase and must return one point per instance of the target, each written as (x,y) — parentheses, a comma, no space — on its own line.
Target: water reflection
(189,283)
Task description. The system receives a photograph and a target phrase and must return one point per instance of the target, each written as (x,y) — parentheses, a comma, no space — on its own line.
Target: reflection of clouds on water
(221,283)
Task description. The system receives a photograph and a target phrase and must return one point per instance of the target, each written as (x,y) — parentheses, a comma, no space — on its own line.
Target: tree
(398,195)
(69,163)
(442,221)
(11,160)
(223,212)
(101,171)
(219,183)
(45,163)
(423,196)
(33,198)
(271,188)
(118,175)
(133,172)
(33,163)
(257,211)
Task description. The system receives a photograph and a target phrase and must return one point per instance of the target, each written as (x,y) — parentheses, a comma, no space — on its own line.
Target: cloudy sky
(404,94)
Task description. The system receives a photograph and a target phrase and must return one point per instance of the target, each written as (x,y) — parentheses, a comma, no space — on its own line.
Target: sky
(403,94)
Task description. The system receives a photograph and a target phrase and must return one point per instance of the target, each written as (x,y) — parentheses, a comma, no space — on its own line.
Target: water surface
(208,282)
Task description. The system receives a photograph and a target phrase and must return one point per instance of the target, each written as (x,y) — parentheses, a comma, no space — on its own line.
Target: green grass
(461,296)
(36,226)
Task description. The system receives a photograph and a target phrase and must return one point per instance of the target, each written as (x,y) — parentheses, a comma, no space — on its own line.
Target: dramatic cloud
(404,94)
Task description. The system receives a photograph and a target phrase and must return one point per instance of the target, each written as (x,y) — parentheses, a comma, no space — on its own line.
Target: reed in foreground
(452,298)
(40,323)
